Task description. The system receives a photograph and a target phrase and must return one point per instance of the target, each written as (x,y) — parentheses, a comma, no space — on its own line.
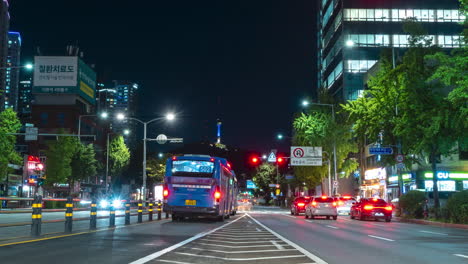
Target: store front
(409,183)
(446,181)
(374,183)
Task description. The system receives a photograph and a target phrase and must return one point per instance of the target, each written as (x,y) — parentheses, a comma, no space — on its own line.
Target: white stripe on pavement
(252,246)
(302,250)
(383,238)
(242,236)
(435,233)
(171,248)
(277,244)
(234,242)
(334,227)
(238,259)
(173,261)
(239,239)
(240,252)
(460,255)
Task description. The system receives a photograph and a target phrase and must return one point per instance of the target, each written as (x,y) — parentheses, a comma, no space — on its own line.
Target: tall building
(25,99)
(352,34)
(125,97)
(4,25)
(11,92)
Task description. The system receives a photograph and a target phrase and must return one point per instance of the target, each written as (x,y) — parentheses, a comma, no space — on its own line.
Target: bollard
(150,210)
(69,215)
(93,215)
(159,209)
(36,216)
(140,211)
(111,216)
(127,212)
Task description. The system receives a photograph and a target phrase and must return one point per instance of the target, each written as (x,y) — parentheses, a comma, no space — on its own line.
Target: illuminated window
(359,65)
(426,15)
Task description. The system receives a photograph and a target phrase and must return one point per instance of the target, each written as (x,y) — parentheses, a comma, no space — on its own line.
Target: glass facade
(397,15)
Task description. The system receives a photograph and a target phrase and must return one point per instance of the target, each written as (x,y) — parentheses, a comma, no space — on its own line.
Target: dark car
(298,205)
(373,208)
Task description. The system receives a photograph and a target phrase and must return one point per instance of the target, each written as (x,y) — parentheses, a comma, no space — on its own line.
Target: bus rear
(196,185)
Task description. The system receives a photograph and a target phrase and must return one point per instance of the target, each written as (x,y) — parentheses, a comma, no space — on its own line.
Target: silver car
(344,204)
(321,206)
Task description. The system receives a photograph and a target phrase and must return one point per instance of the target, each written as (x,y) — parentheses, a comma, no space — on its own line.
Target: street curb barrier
(111,216)
(140,211)
(127,213)
(93,215)
(431,223)
(150,210)
(69,215)
(36,216)
(159,210)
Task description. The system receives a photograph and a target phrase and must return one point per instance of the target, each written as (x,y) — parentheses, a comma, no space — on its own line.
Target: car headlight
(103,203)
(117,203)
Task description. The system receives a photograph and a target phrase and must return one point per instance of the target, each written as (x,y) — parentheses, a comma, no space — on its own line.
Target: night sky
(246,62)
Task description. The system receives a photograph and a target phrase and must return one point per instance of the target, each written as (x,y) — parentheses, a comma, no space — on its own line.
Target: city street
(261,236)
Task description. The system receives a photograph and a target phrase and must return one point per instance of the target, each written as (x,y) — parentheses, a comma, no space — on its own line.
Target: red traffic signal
(254,160)
(280,160)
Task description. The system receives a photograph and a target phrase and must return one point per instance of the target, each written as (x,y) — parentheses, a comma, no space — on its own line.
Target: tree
(83,163)
(59,155)
(156,167)
(265,175)
(317,128)
(9,123)
(119,156)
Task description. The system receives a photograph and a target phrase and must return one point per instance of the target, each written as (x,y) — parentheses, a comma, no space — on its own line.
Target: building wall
(4,25)
(373,25)
(11,92)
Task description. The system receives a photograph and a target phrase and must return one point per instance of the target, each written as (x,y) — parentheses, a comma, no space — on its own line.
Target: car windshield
(302,200)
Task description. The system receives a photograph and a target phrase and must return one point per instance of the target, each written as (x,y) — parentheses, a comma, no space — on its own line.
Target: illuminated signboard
(465,185)
(394,178)
(444,186)
(379,173)
(443,175)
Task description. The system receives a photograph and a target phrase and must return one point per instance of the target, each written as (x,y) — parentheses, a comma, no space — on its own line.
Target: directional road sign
(381,151)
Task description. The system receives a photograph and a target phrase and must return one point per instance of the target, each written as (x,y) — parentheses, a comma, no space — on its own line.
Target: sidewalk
(431,223)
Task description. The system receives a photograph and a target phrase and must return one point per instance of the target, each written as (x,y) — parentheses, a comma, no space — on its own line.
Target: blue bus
(199,185)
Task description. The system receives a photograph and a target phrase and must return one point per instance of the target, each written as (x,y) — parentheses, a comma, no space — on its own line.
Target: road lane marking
(383,238)
(180,244)
(238,259)
(243,236)
(252,246)
(277,245)
(173,261)
(435,233)
(460,255)
(240,239)
(258,230)
(334,227)
(240,252)
(302,250)
(250,222)
(234,242)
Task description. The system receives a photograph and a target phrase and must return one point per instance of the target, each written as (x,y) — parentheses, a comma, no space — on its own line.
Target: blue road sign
(251,185)
(381,151)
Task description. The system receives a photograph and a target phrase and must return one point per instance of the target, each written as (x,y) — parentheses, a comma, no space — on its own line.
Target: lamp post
(103,115)
(335,176)
(27,66)
(169,117)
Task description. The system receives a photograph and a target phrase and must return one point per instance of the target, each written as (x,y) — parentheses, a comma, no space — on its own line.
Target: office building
(352,34)
(25,99)
(11,92)
(4,25)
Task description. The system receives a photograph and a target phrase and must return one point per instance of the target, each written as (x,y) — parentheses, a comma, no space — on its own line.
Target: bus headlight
(103,204)
(117,203)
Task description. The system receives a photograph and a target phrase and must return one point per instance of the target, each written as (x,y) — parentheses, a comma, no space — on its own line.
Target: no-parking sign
(306,156)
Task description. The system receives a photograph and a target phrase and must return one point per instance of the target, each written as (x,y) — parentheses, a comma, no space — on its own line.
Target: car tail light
(388,208)
(165,191)
(347,197)
(334,204)
(300,204)
(368,207)
(174,158)
(375,199)
(340,203)
(314,203)
(324,197)
(307,197)
(217,194)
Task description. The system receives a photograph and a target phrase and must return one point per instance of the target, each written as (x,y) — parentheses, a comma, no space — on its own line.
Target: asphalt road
(261,236)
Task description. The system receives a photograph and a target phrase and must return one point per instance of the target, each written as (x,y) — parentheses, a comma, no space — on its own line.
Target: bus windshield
(192,168)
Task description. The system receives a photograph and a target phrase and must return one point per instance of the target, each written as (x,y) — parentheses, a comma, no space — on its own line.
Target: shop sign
(465,185)
(379,173)
(394,178)
(443,175)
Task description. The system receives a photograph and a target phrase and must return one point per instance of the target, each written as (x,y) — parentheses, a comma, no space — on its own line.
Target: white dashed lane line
(435,233)
(382,238)
(461,256)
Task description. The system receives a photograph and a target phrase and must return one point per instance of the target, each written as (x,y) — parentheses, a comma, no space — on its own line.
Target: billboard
(64,75)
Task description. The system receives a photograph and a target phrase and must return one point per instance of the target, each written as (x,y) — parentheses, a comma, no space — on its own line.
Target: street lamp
(160,155)
(103,115)
(305,103)
(169,117)
(279,136)
(335,177)
(27,66)
(126,132)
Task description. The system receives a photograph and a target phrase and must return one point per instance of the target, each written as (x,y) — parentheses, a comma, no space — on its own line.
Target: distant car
(298,205)
(244,204)
(344,204)
(322,206)
(374,208)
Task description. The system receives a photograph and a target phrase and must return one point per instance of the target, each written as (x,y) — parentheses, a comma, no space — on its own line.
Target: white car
(344,204)
(321,206)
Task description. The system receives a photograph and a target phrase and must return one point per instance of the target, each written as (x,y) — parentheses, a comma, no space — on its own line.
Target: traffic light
(254,160)
(280,160)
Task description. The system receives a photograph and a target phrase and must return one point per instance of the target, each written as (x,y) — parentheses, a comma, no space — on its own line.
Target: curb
(431,223)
